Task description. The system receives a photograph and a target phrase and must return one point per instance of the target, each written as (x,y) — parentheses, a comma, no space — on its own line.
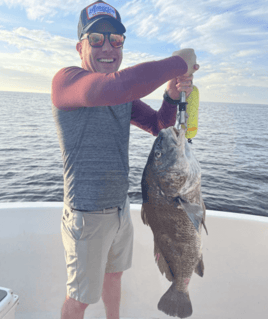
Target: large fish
(174,209)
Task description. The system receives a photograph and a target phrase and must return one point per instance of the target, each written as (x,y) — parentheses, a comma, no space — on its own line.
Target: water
(231,146)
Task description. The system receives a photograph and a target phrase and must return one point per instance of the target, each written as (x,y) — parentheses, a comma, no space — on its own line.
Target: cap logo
(100,9)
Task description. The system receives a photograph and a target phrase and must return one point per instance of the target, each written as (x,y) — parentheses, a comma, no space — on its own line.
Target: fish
(174,209)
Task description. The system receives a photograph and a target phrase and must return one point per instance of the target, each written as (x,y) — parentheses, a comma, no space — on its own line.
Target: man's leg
(111,294)
(73,309)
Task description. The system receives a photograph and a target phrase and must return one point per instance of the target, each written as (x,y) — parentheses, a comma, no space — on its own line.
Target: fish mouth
(177,134)
(176,131)
(171,138)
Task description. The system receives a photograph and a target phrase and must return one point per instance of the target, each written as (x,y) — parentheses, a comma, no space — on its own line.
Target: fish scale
(174,209)
(181,229)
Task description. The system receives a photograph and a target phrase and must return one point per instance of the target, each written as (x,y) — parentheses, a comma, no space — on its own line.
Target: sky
(230,38)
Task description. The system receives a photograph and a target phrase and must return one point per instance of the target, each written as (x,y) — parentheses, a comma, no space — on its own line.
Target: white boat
(234,286)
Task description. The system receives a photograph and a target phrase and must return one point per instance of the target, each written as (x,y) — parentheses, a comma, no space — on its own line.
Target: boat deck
(234,286)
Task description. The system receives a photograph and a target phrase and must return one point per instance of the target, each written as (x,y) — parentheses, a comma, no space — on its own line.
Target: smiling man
(96,57)
(93,108)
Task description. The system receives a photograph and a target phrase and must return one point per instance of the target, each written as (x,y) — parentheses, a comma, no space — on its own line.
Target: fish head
(172,164)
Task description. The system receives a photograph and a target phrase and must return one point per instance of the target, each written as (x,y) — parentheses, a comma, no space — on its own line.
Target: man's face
(91,57)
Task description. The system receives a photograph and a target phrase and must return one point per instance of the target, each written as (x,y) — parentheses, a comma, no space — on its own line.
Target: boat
(32,267)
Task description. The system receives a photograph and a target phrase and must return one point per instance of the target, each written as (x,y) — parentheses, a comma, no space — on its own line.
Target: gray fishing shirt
(94,139)
(94,143)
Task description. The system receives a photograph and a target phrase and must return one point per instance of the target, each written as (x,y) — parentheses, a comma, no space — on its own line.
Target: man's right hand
(188,55)
(178,85)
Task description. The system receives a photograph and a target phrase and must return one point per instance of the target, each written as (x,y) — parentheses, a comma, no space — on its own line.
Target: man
(93,107)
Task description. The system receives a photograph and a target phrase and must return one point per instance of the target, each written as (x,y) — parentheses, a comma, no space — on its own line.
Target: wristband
(169,99)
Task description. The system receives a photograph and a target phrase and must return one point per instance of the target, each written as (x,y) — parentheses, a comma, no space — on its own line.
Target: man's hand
(180,84)
(188,55)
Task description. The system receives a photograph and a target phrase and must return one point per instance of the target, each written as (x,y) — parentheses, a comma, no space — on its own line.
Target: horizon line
(141,98)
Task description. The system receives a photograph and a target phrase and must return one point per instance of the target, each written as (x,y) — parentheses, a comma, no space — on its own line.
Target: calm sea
(231,146)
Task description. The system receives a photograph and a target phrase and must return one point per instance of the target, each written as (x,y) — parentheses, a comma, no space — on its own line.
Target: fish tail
(175,303)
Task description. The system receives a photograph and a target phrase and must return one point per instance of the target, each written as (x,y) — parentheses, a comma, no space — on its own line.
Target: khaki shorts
(95,244)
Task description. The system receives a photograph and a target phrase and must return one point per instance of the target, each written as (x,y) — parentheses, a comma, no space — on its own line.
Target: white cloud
(38,40)
(246,53)
(40,55)
(231,46)
(148,26)
(38,9)
(133,58)
(229,36)
(211,26)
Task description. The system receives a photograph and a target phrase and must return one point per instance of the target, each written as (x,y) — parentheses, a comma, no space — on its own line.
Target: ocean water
(231,146)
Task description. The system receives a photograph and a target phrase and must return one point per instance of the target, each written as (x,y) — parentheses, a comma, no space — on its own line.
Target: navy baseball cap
(95,12)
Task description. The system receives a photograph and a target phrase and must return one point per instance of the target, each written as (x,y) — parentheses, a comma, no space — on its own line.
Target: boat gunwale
(214,213)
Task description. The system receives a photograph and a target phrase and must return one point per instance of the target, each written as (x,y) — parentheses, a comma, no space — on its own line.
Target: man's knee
(75,304)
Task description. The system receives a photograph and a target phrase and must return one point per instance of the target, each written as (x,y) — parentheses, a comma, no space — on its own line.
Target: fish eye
(157,154)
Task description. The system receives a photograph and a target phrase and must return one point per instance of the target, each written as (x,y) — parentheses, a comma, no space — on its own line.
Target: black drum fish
(174,209)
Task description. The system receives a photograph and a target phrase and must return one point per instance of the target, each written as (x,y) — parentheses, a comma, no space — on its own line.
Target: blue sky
(230,37)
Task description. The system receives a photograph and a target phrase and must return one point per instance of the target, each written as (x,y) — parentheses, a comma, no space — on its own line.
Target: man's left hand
(179,84)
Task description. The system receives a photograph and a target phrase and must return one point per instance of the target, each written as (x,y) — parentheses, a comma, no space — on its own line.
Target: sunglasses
(96,40)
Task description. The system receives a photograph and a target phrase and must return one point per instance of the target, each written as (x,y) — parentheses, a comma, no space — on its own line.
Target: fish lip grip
(191,111)
(182,110)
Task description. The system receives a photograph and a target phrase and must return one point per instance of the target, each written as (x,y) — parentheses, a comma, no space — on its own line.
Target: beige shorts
(95,244)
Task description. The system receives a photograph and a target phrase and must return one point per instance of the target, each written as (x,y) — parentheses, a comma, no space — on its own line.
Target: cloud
(39,47)
(210,26)
(38,40)
(230,41)
(134,58)
(246,53)
(230,38)
(36,54)
(22,81)
(38,9)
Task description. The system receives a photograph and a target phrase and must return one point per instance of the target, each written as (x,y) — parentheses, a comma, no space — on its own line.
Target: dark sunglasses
(96,40)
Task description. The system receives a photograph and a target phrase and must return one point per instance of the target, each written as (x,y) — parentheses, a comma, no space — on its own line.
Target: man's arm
(75,87)
(151,121)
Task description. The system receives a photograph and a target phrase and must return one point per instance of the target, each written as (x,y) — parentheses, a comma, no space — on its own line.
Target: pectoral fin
(193,211)
(204,215)
(199,269)
(203,222)
(161,263)
(144,215)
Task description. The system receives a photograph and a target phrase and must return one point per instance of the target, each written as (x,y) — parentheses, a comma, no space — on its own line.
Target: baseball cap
(95,12)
